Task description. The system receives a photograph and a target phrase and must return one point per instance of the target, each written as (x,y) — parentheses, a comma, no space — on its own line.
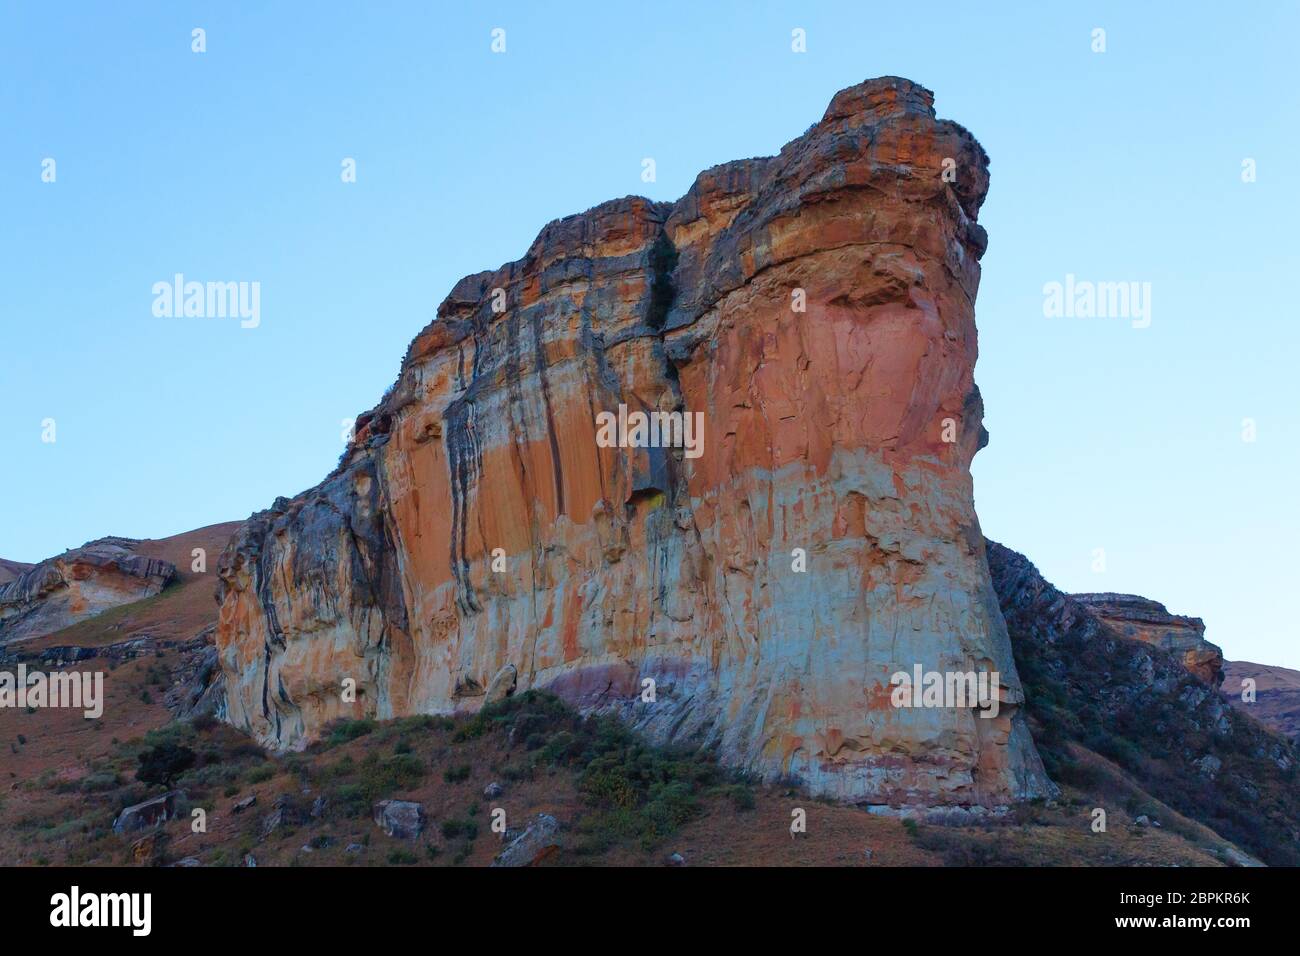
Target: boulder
(539,840)
(241,805)
(147,813)
(402,819)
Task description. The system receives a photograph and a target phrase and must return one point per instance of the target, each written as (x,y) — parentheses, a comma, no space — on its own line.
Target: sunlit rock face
(76,585)
(817,309)
(1149,621)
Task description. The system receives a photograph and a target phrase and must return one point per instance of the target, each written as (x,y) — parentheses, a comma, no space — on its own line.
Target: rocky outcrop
(149,813)
(78,584)
(1142,619)
(1089,685)
(754,588)
(537,842)
(403,819)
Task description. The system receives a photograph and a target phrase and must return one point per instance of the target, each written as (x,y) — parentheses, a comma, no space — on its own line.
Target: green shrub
(343,731)
(164,763)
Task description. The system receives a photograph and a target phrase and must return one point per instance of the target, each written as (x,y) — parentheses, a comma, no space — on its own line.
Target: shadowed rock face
(1149,621)
(1092,685)
(76,585)
(817,308)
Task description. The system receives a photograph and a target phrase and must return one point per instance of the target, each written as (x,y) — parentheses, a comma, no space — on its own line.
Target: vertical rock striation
(817,308)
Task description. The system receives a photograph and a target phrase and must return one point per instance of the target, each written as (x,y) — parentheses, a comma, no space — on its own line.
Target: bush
(164,763)
(343,731)
(455,828)
(259,774)
(100,782)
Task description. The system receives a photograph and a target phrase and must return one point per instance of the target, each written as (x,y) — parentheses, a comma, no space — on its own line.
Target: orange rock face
(1142,619)
(756,591)
(78,584)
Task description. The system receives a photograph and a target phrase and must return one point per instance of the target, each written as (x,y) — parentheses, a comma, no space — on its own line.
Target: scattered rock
(492,791)
(318,807)
(148,813)
(242,805)
(402,819)
(286,811)
(539,840)
(188,861)
(250,860)
(675,859)
(148,850)
(1143,821)
(1208,766)
(353,848)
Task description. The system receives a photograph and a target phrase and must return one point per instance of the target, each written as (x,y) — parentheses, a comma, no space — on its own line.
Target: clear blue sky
(1124,165)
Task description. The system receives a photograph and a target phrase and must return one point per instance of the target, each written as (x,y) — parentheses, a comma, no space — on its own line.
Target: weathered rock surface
(403,819)
(537,841)
(148,813)
(817,309)
(1149,621)
(198,685)
(76,585)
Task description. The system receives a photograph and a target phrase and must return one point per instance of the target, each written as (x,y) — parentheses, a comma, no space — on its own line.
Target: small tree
(164,763)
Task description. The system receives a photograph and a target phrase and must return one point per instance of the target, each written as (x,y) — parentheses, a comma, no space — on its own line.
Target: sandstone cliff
(1149,621)
(76,585)
(817,307)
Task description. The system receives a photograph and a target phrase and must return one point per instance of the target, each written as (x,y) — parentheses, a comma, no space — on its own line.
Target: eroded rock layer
(817,309)
(76,585)
(1142,619)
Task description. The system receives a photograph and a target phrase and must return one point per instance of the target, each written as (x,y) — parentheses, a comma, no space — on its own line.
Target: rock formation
(1142,619)
(816,309)
(76,585)
(1089,685)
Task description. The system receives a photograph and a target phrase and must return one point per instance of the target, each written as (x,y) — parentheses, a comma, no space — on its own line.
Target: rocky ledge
(78,584)
(1142,619)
